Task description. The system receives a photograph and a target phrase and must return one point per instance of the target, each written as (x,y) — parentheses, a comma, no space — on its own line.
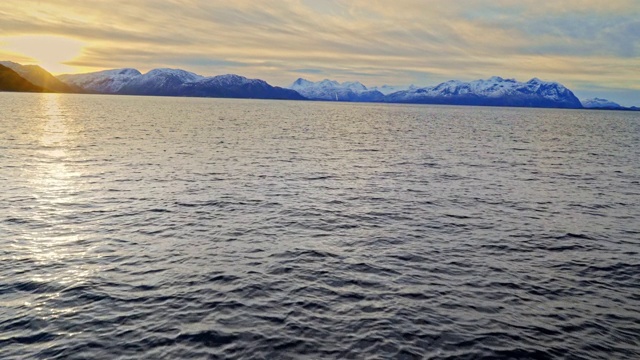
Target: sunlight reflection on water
(142,227)
(53,239)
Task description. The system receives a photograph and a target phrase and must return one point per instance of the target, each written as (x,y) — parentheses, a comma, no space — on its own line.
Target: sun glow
(50,52)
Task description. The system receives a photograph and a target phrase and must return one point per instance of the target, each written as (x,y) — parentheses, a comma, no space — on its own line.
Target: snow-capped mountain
(390,89)
(330,90)
(235,86)
(176,82)
(597,103)
(104,82)
(494,91)
(159,82)
(39,77)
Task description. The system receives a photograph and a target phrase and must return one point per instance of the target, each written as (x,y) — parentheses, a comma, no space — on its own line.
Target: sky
(590,46)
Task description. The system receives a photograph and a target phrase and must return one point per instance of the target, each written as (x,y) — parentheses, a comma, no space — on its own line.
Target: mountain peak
(598,103)
(354,85)
(231,80)
(231,77)
(180,74)
(302,81)
(105,81)
(390,89)
(127,71)
(328,82)
(331,90)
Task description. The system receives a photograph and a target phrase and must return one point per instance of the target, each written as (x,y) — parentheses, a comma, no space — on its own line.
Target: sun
(49,51)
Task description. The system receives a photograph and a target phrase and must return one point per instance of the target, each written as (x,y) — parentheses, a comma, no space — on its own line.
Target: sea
(188,228)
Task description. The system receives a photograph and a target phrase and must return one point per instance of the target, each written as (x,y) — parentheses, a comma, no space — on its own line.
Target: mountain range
(329,90)
(494,91)
(176,82)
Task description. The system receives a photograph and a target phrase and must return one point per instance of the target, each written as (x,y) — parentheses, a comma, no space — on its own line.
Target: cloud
(308,71)
(404,41)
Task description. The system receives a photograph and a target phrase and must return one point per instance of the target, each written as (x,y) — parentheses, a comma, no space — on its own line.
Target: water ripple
(206,228)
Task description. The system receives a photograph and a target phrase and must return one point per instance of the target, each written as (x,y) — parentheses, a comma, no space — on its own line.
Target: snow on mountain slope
(231,80)
(235,86)
(597,103)
(106,82)
(494,91)
(354,86)
(159,82)
(334,91)
(177,82)
(179,74)
(390,89)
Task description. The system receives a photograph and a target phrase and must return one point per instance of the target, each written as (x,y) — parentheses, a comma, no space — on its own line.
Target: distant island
(494,91)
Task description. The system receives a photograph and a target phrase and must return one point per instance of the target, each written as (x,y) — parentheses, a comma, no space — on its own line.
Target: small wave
(316,231)
(36,338)
(319,177)
(574,236)
(159,210)
(209,338)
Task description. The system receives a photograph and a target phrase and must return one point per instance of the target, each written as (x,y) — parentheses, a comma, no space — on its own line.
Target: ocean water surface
(181,228)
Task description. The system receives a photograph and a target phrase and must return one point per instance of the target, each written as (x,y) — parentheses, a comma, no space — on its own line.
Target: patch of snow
(390,89)
(596,103)
(107,81)
(332,90)
(181,75)
(230,80)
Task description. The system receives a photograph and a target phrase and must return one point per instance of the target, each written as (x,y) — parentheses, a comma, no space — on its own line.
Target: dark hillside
(11,81)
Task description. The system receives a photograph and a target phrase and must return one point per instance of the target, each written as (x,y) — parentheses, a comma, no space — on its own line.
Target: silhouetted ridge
(40,77)
(11,81)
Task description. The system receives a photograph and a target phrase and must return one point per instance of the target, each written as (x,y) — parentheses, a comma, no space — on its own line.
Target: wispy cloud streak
(577,42)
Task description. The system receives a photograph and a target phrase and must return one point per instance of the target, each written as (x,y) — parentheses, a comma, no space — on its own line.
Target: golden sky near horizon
(591,46)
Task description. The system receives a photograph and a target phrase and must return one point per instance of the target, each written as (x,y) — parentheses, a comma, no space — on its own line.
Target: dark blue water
(166,228)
